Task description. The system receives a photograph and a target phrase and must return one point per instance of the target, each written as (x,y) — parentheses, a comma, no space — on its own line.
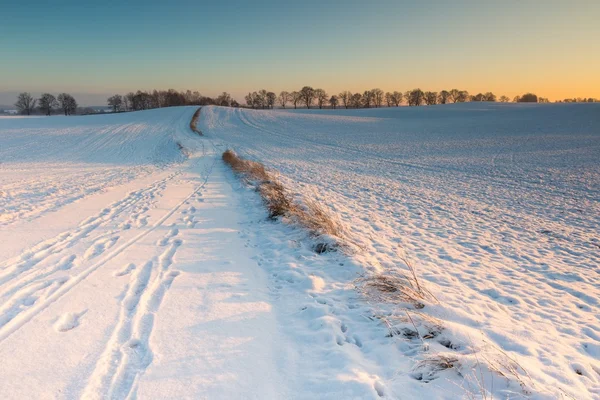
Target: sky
(550,47)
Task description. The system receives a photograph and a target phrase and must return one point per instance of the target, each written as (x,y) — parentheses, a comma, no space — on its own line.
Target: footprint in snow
(126,270)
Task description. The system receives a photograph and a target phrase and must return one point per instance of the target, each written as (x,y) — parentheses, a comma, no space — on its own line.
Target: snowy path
(168,283)
(152,295)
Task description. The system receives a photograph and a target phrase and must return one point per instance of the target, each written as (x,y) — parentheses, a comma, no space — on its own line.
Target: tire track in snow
(21,277)
(15,323)
(128,351)
(22,265)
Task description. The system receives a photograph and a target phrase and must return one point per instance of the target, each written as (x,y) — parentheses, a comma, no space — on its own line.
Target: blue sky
(115,46)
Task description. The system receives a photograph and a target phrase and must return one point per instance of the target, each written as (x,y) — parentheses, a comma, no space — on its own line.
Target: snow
(132,269)
(496,204)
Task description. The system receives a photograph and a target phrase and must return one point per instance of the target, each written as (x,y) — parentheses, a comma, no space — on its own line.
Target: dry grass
(194,122)
(395,287)
(309,214)
(427,369)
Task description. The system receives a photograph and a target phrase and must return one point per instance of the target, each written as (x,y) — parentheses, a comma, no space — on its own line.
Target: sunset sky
(509,47)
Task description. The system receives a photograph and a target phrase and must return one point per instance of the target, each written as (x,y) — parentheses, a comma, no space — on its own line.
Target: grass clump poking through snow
(395,287)
(194,122)
(309,214)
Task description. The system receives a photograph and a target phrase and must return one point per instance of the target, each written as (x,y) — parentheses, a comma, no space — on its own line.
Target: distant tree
(430,98)
(128,101)
(528,98)
(67,103)
(295,98)
(388,99)
(454,95)
(25,103)
(378,97)
(115,102)
(516,99)
(47,103)
(463,96)
(489,96)
(283,98)
(444,97)
(397,98)
(356,100)
(416,97)
(250,100)
(477,97)
(504,99)
(545,100)
(322,97)
(346,98)
(307,94)
(271,98)
(262,94)
(333,101)
(224,99)
(367,98)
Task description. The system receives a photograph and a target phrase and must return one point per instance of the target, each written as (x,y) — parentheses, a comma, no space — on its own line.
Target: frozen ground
(497,205)
(131,269)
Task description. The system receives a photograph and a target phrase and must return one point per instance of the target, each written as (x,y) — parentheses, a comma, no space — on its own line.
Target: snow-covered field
(132,269)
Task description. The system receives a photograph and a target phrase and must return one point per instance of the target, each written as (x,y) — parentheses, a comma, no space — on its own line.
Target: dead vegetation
(395,287)
(428,368)
(309,214)
(194,122)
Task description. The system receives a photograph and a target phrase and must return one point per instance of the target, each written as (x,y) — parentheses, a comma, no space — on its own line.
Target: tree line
(46,104)
(142,100)
(308,97)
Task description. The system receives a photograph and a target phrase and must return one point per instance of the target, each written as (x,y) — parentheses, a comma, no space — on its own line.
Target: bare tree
(25,103)
(67,103)
(431,98)
(444,97)
(415,97)
(334,101)
(271,98)
(262,94)
(295,98)
(477,97)
(377,97)
(462,96)
(529,98)
(346,97)
(115,102)
(47,103)
(224,99)
(284,97)
(356,100)
(307,94)
(128,101)
(321,96)
(454,95)
(388,99)
(489,96)
(504,99)
(367,98)
(397,98)
(250,101)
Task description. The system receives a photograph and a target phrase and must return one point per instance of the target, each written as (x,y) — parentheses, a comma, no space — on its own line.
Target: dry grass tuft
(395,287)
(427,369)
(194,122)
(310,214)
